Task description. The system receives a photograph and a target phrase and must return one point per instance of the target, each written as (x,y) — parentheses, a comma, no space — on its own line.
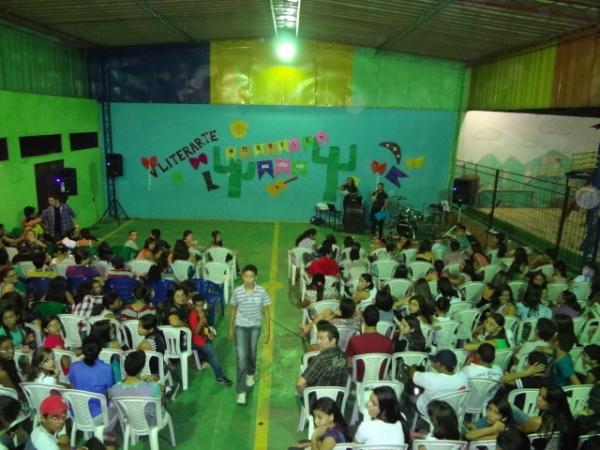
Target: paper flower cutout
(238,128)
(294,145)
(322,137)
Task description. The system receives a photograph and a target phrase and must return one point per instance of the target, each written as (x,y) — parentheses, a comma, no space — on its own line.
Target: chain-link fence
(537,212)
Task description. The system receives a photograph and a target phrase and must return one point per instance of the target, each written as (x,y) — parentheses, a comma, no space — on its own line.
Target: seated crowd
(440,340)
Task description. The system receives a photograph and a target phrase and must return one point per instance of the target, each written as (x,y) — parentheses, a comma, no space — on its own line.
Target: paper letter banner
(264,167)
(270,148)
(393,175)
(230,152)
(307,143)
(299,167)
(245,152)
(294,145)
(258,149)
(282,166)
(282,147)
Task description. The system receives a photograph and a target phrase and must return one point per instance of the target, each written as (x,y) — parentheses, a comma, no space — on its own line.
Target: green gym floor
(206,416)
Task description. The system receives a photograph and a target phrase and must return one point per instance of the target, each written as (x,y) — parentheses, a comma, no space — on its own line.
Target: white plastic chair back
(590,332)
(115,326)
(452,269)
(555,289)
(375,366)
(101,267)
(461,357)
(218,254)
(219,273)
(36,332)
(377,253)
(22,361)
(400,359)
(362,396)
(511,323)
(503,357)
(384,269)
(481,390)
(72,325)
(296,261)
(385,328)
(518,289)
(107,355)
(36,393)
(140,266)
(578,323)
(460,306)
(336,393)
(506,261)
(526,330)
(9,392)
(70,358)
(319,307)
(547,269)
(363,305)
(346,333)
(133,414)
(182,270)
(458,402)
(468,320)
(492,255)
(527,398)
(581,289)
(483,445)
(409,255)
(82,417)
(174,349)
(442,444)
(399,287)
(306,358)
(472,291)
(445,337)
(12,252)
(489,272)
(552,441)
(418,269)
(160,360)
(60,269)
(577,396)
(355,272)
(23,267)
(132,336)
(433,288)
(428,332)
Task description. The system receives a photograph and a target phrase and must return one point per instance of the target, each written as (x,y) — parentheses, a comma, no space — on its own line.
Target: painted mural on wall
(533,145)
(263,166)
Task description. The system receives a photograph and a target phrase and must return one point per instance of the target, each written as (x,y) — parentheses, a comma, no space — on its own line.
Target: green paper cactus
(234,169)
(332,161)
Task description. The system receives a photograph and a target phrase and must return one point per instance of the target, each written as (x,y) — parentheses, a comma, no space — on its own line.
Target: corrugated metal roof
(464,30)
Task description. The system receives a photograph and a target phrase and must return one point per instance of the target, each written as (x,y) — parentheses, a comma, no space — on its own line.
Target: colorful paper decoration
(245,152)
(270,148)
(149,163)
(394,149)
(282,165)
(283,147)
(264,167)
(210,186)
(334,167)
(416,163)
(322,137)
(258,149)
(238,128)
(299,167)
(393,175)
(236,175)
(294,145)
(307,143)
(378,168)
(197,161)
(230,153)
(177,177)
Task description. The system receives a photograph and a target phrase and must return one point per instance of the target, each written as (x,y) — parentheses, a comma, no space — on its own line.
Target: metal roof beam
(424,17)
(142,4)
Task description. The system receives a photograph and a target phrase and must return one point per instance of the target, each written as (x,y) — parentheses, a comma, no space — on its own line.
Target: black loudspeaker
(66,181)
(114,165)
(354,221)
(464,191)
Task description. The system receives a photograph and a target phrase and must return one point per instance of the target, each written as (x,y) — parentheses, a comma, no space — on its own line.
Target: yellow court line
(103,238)
(261,433)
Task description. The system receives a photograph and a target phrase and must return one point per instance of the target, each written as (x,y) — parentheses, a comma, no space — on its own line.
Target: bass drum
(404,229)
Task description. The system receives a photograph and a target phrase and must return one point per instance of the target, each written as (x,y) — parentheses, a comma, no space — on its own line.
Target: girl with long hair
(502,301)
(498,417)
(520,265)
(386,427)
(446,289)
(410,337)
(43,367)
(493,333)
(444,420)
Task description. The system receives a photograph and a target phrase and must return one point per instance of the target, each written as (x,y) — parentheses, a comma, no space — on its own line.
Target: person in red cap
(53,413)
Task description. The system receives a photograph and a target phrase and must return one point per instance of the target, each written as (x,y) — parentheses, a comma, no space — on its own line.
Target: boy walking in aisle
(249,301)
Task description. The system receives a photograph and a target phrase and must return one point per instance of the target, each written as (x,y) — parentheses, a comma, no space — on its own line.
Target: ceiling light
(286,49)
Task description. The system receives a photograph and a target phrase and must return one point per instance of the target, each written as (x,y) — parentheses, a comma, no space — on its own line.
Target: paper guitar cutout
(196,162)
(149,163)
(394,148)
(274,189)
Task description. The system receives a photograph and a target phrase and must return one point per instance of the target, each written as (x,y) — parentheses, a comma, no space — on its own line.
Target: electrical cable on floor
(292,332)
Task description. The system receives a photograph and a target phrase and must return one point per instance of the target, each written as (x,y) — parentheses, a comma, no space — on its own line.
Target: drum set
(406,221)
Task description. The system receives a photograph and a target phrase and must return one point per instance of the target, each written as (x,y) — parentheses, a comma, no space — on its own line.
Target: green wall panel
(29,63)
(519,82)
(389,80)
(29,114)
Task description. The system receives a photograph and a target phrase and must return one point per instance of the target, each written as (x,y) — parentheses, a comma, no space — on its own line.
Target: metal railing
(538,212)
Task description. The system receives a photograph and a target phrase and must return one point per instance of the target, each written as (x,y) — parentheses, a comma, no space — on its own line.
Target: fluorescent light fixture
(286,49)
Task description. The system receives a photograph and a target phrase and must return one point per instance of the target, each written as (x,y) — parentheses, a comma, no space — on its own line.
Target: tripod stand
(114,209)
(451,230)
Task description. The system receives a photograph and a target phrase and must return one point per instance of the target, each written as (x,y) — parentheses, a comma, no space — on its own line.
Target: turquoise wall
(200,169)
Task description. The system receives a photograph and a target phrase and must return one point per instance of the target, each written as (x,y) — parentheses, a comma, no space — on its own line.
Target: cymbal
(398,197)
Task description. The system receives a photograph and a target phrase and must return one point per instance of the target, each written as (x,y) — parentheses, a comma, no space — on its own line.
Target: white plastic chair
(578,323)
(115,325)
(468,321)
(482,445)
(460,306)
(400,359)
(555,289)
(384,269)
(410,255)
(36,332)
(140,267)
(133,414)
(418,269)
(590,332)
(581,289)
(503,357)
(132,336)
(9,392)
(492,255)
(60,269)
(433,288)
(377,253)
(441,444)
(385,328)
(506,261)
(219,273)
(518,289)
(22,361)
(481,390)
(552,441)
(346,333)
(107,355)
(354,273)
(174,348)
(461,357)
(472,291)
(220,254)
(182,270)
(296,262)
(82,417)
(577,396)
(445,336)
(547,269)
(452,269)
(511,324)
(319,307)
(163,376)
(36,393)
(72,325)
(526,330)
(428,332)
(315,393)
(489,272)
(458,402)
(529,400)
(362,396)
(59,354)
(375,368)
(306,358)
(399,287)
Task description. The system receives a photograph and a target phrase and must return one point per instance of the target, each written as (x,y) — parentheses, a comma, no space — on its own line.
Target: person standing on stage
(350,190)
(58,218)
(249,302)
(380,202)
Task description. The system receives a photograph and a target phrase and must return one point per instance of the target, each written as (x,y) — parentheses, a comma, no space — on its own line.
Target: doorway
(44,180)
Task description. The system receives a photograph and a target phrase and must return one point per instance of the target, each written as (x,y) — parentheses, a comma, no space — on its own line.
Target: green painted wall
(29,114)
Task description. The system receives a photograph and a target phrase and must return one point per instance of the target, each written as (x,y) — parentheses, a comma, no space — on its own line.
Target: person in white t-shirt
(385,427)
(42,369)
(443,381)
(53,413)
(481,365)
(545,329)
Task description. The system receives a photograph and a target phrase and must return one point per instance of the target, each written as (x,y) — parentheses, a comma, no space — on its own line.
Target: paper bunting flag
(294,145)
(258,149)
(307,143)
(282,165)
(149,163)
(378,168)
(394,174)
(230,153)
(322,137)
(197,161)
(264,167)
(245,152)
(270,148)
(299,167)
(177,177)
(416,163)
(283,147)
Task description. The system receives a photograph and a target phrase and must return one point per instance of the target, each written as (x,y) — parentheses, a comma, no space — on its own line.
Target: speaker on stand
(114,169)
